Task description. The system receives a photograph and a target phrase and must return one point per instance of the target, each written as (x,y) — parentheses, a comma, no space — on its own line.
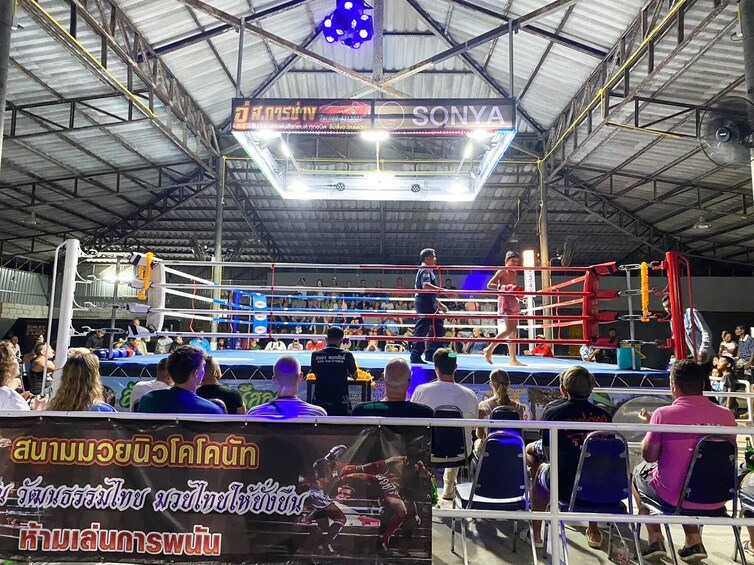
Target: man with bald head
(397,378)
(286,374)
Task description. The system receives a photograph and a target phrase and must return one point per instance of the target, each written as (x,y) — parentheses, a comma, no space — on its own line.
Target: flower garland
(361,375)
(645,293)
(145,273)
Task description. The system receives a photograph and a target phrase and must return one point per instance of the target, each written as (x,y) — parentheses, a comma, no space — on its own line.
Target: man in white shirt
(286,374)
(275,345)
(163,381)
(445,391)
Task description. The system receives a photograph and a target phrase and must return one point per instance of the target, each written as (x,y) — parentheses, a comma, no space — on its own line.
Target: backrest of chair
(602,475)
(712,473)
(501,470)
(505,413)
(448,442)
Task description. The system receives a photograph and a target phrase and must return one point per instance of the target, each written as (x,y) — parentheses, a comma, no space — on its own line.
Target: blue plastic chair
(449,447)
(602,483)
(501,482)
(714,458)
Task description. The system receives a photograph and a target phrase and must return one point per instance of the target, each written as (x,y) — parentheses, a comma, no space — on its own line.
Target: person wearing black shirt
(576,384)
(333,367)
(397,377)
(427,303)
(211,389)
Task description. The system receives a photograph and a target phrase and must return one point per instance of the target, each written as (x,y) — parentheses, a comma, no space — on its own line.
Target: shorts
(508,305)
(539,451)
(543,476)
(318,500)
(641,478)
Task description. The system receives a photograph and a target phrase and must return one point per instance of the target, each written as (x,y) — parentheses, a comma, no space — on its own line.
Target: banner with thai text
(114,489)
(417,117)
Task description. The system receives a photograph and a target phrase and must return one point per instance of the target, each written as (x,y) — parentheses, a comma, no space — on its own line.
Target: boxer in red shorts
(507,305)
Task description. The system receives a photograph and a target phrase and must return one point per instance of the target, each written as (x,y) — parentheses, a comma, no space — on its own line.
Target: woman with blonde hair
(80,386)
(10,380)
(499,383)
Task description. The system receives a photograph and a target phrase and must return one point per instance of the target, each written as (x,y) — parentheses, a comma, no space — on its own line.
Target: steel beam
(555,38)
(116,31)
(430,22)
(292,47)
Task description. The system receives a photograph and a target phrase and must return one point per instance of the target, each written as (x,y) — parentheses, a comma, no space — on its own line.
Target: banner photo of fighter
(126,490)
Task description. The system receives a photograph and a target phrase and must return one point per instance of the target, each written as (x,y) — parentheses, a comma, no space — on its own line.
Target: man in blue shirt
(186,368)
(745,349)
(697,332)
(427,303)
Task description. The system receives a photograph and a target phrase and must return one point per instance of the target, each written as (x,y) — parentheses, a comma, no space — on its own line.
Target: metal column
(217,270)
(746,11)
(7,9)
(544,245)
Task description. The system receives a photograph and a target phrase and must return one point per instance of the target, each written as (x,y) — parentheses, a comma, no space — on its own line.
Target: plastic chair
(747,511)
(714,458)
(603,481)
(501,482)
(449,447)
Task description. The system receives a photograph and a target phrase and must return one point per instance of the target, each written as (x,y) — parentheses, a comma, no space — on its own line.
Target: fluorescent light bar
(375,135)
(267,134)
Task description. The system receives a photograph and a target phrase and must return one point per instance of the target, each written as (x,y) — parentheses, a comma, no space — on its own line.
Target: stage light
(416,188)
(340,186)
(298,186)
(468,150)
(351,5)
(375,135)
(285,150)
(364,27)
(458,188)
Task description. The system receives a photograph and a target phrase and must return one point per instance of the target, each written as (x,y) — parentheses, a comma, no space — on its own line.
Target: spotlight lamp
(340,187)
(348,24)
(416,188)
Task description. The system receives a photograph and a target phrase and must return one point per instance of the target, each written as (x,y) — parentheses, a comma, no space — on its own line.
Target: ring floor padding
(473,368)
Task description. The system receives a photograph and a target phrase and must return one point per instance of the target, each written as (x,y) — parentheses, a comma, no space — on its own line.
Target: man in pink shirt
(667,456)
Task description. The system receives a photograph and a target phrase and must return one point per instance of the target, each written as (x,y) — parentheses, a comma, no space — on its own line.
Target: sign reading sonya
(84,489)
(421,116)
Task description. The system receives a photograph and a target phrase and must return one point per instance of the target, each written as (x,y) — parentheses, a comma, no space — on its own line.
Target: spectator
(576,384)
(540,349)
(136,345)
(747,491)
(164,345)
(177,342)
(475,346)
(43,355)
(397,378)
(727,345)
(80,386)
(745,350)
(315,345)
(287,375)
(445,391)
(698,334)
(333,367)
(201,342)
(96,340)
(661,475)
(295,345)
(10,382)
(499,382)
(275,345)
(186,367)
(161,382)
(373,344)
(725,372)
(211,389)
(253,345)
(399,283)
(13,343)
(588,354)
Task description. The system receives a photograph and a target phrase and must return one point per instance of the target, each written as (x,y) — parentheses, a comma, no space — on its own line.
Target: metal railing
(554,515)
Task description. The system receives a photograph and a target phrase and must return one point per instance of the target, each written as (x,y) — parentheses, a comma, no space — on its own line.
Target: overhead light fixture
(285,150)
(416,188)
(298,186)
(480,134)
(513,238)
(340,186)
(458,188)
(702,224)
(375,135)
(267,134)
(468,150)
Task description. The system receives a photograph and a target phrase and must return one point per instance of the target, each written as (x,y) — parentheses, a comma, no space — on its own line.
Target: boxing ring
(569,313)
